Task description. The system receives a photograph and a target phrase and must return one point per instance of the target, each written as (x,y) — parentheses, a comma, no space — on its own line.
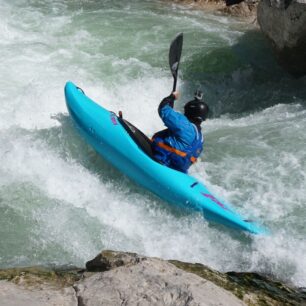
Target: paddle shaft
(174,84)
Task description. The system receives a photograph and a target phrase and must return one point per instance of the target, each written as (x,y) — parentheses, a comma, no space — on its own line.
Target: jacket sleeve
(166,101)
(175,121)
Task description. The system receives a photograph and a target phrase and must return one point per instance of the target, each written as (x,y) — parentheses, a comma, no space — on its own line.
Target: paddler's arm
(175,121)
(168,101)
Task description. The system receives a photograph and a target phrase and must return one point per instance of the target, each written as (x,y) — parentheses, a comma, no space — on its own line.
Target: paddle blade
(175,54)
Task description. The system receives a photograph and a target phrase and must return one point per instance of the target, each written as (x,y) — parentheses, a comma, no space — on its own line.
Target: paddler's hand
(176,95)
(168,100)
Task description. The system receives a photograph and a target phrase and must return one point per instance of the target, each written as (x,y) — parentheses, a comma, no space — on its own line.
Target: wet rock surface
(120,278)
(284,23)
(252,288)
(237,8)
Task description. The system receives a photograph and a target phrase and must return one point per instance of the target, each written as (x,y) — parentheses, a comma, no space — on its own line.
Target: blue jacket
(181,143)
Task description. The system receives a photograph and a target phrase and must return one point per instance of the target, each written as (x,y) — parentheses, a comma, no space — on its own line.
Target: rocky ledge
(239,8)
(284,24)
(118,278)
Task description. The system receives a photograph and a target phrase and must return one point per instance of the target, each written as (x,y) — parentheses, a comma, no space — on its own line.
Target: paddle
(175,56)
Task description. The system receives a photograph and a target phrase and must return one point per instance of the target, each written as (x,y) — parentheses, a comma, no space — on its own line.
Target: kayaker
(180,145)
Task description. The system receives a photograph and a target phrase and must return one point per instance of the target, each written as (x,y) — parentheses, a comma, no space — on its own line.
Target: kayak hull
(107,134)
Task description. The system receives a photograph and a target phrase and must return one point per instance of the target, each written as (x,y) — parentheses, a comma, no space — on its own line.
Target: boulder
(121,278)
(149,282)
(284,23)
(108,260)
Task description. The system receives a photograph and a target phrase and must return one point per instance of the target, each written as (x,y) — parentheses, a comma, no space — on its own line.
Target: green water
(60,203)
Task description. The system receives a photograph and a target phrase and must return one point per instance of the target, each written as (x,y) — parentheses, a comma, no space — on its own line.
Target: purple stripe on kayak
(211,197)
(114,121)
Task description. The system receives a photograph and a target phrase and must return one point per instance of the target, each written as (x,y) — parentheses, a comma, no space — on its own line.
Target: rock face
(241,8)
(150,281)
(238,8)
(37,286)
(16,295)
(120,278)
(284,23)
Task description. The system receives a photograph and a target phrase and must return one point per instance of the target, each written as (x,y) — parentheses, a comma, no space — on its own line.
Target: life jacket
(174,158)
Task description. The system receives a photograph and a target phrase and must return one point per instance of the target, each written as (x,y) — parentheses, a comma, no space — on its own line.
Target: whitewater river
(60,203)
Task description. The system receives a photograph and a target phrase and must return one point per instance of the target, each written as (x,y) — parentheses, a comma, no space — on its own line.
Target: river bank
(121,278)
(246,10)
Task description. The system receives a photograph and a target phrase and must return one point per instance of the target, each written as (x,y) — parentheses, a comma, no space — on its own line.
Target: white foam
(256,162)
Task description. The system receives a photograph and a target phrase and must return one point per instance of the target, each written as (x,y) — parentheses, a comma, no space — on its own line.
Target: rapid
(61,204)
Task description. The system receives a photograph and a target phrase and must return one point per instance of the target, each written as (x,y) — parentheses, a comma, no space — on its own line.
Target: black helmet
(196,110)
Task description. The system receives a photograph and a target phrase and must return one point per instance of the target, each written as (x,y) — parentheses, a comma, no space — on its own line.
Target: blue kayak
(129,150)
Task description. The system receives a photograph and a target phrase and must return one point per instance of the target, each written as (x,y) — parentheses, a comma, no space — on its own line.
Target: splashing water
(61,203)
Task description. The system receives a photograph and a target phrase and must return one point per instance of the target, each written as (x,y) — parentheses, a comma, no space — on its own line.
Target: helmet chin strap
(198,122)
(195,121)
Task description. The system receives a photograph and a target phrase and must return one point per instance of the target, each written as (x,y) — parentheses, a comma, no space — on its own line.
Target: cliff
(283,22)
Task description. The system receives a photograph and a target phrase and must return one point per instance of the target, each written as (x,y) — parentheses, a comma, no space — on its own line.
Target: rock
(131,279)
(284,23)
(57,278)
(245,8)
(38,286)
(151,282)
(108,260)
(14,295)
(238,8)
(252,288)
